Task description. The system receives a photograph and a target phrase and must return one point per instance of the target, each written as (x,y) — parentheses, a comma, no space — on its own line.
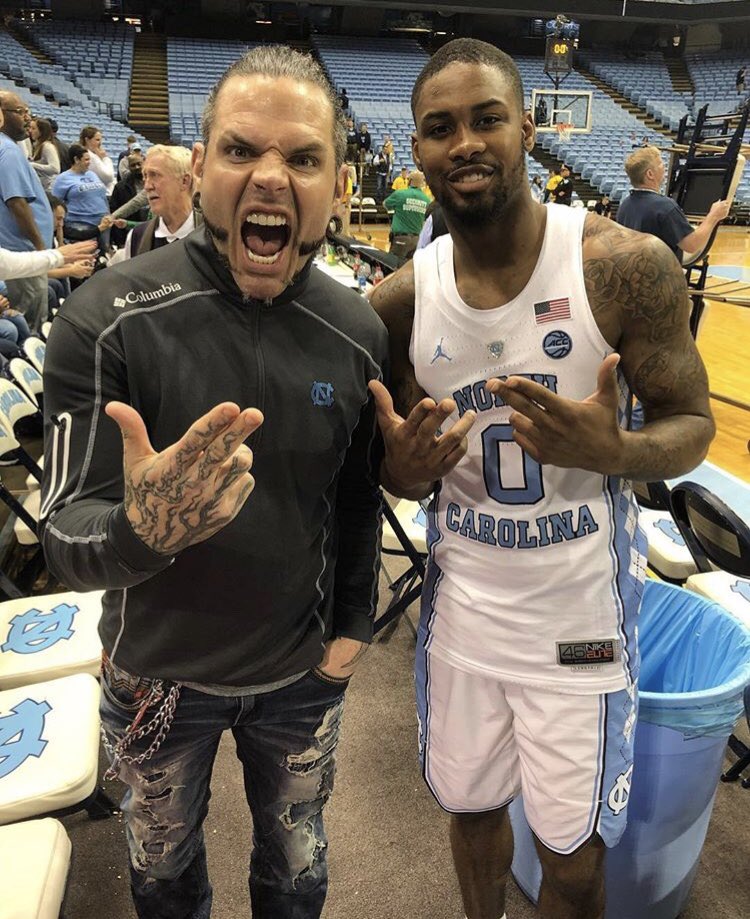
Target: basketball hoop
(564,130)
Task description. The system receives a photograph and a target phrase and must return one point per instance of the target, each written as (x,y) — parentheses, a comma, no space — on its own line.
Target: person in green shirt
(409,206)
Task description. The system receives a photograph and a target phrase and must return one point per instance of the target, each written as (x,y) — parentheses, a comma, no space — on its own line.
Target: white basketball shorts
(482,742)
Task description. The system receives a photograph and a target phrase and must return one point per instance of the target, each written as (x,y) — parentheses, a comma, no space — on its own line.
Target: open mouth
(264,237)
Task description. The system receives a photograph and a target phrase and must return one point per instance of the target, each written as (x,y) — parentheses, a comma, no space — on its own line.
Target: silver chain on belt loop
(160,723)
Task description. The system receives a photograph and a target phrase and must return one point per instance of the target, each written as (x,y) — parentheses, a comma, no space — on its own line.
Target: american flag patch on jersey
(552,310)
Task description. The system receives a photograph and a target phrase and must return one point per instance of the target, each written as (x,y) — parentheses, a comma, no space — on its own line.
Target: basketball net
(564,130)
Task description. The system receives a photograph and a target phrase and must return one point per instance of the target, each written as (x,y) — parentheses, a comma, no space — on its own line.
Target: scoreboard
(558,59)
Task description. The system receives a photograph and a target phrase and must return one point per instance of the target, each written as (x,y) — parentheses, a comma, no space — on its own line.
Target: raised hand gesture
(416,455)
(563,432)
(193,488)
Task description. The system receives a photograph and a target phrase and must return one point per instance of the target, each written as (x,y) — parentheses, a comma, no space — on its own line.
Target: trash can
(695,665)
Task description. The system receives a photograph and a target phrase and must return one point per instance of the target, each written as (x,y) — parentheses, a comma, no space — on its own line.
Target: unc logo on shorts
(557,344)
(322,394)
(35,631)
(620,793)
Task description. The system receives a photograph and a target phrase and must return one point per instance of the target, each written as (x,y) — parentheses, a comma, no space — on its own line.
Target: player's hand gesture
(192,489)
(416,454)
(562,432)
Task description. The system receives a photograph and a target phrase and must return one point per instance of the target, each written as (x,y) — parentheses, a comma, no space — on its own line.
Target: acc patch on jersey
(557,344)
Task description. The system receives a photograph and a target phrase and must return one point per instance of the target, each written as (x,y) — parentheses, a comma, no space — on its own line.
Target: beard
(489,207)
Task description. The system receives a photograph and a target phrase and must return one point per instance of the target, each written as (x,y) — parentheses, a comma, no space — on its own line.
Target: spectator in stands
(739,80)
(383,167)
(123,154)
(78,268)
(648,210)
(100,161)
(343,100)
(402,180)
(364,144)
(248,627)
(25,214)
(14,330)
(168,183)
(537,189)
(84,195)
(122,169)
(553,180)
(603,207)
(351,141)
(125,190)
(563,193)
(62,149)
(390,153)
(346,201)
(44,156)
(409,210)
(132,184)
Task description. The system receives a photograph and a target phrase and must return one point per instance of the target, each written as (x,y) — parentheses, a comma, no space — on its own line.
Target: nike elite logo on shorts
(588,655)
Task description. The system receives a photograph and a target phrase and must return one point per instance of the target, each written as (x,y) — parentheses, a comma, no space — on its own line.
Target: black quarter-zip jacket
(170,334)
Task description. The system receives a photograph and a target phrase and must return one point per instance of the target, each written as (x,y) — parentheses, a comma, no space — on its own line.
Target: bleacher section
(194,66)
(597,157)
(71,108)
(645,81)
(95,65)
(97,57)
(382,100)
(713,76)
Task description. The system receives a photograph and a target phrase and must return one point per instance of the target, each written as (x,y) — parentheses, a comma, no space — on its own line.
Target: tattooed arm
(103,529)
(639,299)
(416,454)
(636,287)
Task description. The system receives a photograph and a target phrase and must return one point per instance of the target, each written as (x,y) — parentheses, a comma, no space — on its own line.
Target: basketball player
(514,341)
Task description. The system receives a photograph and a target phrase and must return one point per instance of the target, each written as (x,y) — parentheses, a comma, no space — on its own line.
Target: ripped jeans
(286,741)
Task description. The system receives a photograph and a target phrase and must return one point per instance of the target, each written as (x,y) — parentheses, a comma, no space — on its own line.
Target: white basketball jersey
(535,571)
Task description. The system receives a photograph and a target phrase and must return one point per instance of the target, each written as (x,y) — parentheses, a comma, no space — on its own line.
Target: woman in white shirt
(44,157)
(101,164)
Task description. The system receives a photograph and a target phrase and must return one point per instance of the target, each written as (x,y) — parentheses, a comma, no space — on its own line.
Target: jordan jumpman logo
(440,353)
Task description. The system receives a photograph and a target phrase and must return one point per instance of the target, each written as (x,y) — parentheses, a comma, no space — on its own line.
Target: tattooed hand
(562,432)
(416,456)
(191,490)
(341,657)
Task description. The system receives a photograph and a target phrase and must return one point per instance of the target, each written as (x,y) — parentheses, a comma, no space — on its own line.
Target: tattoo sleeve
(640,300)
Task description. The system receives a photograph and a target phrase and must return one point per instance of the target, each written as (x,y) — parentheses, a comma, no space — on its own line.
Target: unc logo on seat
(21,734)
(35,631)
(322,394)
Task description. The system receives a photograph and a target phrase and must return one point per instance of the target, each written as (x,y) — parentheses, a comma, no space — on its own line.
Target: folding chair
(34,862)
(34,349)
(719,541)
(668,555)
(404,535)
(49,749)
(49,636)
(27,378)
